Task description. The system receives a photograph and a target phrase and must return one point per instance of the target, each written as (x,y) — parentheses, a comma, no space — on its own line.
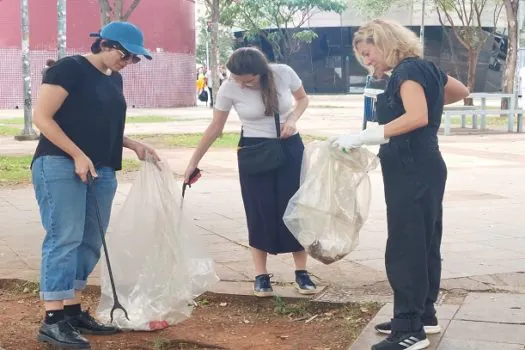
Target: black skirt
(266,197)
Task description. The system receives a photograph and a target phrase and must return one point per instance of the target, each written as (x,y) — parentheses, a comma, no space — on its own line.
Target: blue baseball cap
(128,35)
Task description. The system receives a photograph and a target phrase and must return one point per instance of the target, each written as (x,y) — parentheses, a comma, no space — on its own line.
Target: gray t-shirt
(249,104)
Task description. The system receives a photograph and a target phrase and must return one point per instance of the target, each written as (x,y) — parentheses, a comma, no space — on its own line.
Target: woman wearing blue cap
(81,112)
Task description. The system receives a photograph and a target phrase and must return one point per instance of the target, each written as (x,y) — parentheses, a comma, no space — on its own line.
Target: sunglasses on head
(125,55)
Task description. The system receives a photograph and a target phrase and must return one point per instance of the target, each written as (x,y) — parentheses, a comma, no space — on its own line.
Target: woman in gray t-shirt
(261,92)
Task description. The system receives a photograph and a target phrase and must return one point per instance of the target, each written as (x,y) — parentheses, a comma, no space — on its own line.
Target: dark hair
(50,62)
(249,60)
(98,44)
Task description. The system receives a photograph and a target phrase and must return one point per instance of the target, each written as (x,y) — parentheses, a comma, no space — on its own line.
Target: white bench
(483,112)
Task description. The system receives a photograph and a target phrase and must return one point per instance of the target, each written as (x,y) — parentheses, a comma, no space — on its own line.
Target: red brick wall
(169,29)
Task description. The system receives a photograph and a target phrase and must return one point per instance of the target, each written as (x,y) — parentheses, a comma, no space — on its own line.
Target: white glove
(346,142)
(373,136)
(370,136)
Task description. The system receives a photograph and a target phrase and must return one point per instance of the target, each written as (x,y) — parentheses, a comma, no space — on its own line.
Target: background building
(328,64)
(169,28)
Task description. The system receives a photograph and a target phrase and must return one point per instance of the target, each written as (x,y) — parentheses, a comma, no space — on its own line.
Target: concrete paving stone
(19,273)
(467,283)
(497,308)
(445,274)
(513,265)
(369,336)
(227,274)
(210,238)
(486,332)
(457,344)
(221,226)
(347,274)
(514,282)
(512,244)
(236,254)
(492,254)
(463,247)
(223,247)
(366,254)
(471,268)
(376,264)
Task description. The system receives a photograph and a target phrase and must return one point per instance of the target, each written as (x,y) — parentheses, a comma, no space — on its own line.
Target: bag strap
(277,124)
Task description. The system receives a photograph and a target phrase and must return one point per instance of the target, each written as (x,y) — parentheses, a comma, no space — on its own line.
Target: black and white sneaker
(430,326)
(404,341)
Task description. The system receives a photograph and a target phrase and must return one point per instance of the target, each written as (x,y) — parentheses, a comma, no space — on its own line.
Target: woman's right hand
(187,175)
(83,165)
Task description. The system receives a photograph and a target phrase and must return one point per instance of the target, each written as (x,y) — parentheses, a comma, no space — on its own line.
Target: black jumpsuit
(414,177)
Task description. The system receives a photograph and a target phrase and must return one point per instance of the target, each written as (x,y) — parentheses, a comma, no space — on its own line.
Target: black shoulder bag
(264,156)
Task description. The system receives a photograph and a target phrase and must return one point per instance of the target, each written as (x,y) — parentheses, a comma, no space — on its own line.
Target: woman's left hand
(288,129)
(142,150)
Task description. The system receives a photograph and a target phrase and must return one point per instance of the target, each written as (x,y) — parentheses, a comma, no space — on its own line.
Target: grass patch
(11,121)
(9,130)
(15,170)
(154,119)
(130,119)
(227,140)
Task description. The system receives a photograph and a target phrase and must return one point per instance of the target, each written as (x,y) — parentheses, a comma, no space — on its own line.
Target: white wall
(408,15)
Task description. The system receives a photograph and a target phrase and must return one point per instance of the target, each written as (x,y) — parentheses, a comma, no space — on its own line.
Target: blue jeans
(72,243)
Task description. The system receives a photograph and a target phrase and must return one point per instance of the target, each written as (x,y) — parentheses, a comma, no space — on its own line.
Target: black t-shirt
(433,80)
(93,114)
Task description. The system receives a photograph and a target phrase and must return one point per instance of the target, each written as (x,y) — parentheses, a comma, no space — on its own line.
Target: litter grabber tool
(116,303)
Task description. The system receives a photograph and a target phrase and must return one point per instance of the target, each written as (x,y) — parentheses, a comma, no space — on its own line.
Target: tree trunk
(511,9)
(473,55)
(118,10)
(61,28)
(215,16)
(27,133)
(132,7)
(105,12)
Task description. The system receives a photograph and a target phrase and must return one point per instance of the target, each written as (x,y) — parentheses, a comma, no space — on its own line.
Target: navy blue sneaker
(303,283)
(262,287)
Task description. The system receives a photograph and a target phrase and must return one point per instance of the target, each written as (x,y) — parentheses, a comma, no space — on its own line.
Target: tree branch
(105,11)
(130,10)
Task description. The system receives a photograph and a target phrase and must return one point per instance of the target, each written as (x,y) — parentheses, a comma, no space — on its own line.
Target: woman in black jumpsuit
(414,174)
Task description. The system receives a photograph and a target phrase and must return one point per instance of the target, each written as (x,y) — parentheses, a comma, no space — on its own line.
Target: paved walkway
(483,245)
(482,321)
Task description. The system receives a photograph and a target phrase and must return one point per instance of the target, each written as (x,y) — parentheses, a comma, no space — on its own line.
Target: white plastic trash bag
(158,263)
(327,212)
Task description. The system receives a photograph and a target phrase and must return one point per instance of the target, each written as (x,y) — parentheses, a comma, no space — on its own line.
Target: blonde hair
(392,39)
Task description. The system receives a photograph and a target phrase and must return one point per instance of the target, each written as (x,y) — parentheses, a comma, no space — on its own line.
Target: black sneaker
(303,283)
(62,335)
(404,341)
(262,287)
(431,326)
(86,324)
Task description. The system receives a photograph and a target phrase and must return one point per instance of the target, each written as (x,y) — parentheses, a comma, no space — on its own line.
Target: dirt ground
(218,322)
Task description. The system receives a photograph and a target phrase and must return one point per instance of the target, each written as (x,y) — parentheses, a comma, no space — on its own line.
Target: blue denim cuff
(56,296)
(79,285)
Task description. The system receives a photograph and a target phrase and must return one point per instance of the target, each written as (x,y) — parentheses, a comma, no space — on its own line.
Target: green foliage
(286,17)
(370,9)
